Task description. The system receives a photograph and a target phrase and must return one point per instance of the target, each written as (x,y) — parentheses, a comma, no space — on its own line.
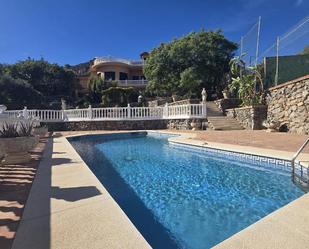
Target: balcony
(132,82)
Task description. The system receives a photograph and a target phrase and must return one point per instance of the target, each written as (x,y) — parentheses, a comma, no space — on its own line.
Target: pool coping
(69,208)
(294,215)
(278,222)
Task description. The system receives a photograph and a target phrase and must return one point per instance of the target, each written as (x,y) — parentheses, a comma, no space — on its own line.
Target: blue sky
(74,31)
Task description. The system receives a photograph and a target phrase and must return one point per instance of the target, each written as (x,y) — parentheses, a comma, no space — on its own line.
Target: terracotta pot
(193,125)
(16,150)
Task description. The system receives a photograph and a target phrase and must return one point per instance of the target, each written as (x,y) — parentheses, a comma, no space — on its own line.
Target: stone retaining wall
(224,104)
(250,117)
(176,124)
(108,125)
(186,124)
(288,106)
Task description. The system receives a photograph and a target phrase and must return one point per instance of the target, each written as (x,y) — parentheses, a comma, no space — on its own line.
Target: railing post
(165,111)
(129,111)
(90,112)
(64,115)
(25,113)
(204,110)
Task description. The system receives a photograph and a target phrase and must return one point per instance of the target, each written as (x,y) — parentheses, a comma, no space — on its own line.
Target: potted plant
(195,125)
(16,140)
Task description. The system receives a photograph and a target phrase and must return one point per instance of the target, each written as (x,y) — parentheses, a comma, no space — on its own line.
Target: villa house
(124,72)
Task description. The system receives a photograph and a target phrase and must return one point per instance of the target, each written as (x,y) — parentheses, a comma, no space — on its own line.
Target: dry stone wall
(288,106)
(250,117)
(174,124)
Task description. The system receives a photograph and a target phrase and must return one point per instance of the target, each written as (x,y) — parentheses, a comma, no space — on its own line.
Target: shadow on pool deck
(28,219)
(74,194)
(38,212)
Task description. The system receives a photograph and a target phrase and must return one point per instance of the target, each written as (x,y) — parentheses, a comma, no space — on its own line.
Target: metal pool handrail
(296,155)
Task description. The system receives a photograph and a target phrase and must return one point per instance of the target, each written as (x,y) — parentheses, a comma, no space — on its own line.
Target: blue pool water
(184,198)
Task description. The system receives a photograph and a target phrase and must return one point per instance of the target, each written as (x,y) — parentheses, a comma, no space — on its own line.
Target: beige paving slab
(75,218)
(286,228)
(69,208)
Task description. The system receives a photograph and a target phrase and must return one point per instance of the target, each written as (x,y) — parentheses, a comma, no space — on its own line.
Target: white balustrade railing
(13,114)
(196,111)
(133,82)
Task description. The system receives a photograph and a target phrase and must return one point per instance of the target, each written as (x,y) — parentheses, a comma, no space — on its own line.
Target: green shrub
(119,96)
(17,93)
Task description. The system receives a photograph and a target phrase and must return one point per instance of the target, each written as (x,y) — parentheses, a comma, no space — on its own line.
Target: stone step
(224,123)
(213,110)
(217,121)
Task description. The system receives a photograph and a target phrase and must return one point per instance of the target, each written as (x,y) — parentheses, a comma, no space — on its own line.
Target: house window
(134,77)
(109,75)
(143,77)
(123,76)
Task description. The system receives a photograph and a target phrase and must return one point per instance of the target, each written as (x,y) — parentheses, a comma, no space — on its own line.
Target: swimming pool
(181,196)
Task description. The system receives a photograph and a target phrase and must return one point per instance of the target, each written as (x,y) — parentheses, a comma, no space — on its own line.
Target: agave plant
(9,130)
(25,129)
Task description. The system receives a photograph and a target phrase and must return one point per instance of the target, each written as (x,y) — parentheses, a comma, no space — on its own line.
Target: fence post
(129,111)
(90,112)
(277,61)
(25,113)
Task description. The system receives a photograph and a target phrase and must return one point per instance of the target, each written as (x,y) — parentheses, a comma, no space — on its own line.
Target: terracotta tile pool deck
(259,138)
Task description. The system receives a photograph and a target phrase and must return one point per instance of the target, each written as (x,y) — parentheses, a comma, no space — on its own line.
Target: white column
(165,111)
